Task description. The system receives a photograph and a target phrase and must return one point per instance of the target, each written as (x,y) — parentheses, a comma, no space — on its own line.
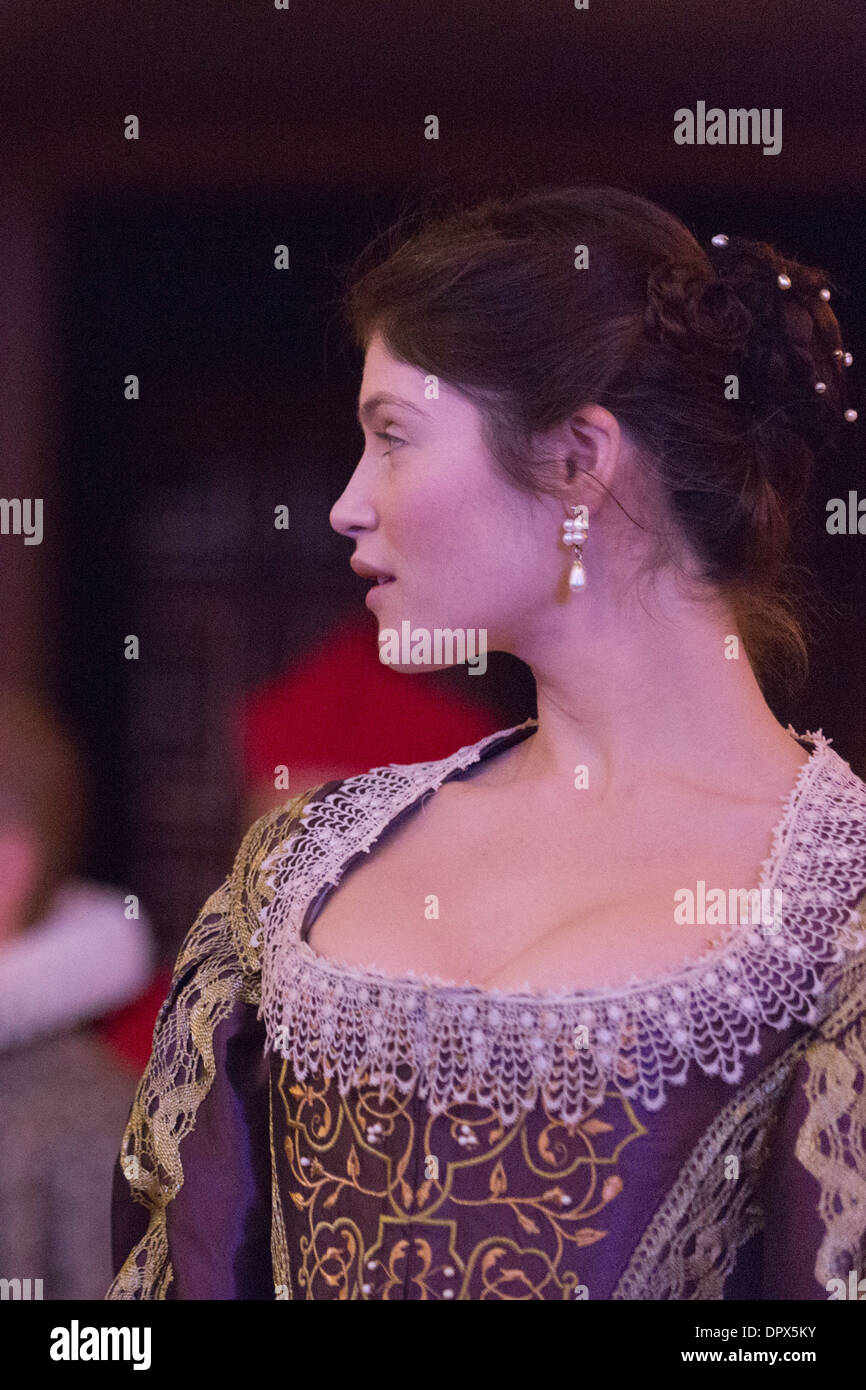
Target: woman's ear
(589,447)
(596,448)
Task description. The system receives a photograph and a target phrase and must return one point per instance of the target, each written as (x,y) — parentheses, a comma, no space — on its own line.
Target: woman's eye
(393,437)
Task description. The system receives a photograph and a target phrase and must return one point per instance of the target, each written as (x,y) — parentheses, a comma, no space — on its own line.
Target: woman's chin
(409,645)
(415,668)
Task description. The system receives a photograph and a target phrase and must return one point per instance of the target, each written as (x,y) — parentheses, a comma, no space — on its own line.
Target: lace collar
(463,1043)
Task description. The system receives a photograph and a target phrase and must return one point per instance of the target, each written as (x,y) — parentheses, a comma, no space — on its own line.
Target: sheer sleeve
(191,1211)
(815,1177)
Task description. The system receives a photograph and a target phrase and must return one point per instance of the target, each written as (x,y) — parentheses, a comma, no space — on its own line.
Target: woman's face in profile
(427,505)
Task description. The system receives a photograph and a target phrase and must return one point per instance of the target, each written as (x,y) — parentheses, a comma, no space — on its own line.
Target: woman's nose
(352,511)
(338,518)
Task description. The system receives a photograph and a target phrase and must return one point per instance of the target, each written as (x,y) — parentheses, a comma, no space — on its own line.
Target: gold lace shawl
(217,968)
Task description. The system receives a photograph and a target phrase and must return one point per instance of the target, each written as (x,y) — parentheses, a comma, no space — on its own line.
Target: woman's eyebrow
(372,404)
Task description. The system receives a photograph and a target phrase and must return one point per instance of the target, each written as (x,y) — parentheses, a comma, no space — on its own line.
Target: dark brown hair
(485,294)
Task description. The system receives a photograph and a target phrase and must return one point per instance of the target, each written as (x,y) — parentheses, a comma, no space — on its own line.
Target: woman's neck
(644,701)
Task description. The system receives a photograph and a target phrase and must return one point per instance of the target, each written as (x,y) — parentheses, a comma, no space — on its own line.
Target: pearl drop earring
(574,532)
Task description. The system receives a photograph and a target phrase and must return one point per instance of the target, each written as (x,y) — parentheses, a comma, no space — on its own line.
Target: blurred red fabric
(341,706)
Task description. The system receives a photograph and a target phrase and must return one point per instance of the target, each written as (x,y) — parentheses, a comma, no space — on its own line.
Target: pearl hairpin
(821,387)
(784,283)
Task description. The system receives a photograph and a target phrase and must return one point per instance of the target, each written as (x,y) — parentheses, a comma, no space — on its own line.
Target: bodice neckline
(479,752)
(461,1042)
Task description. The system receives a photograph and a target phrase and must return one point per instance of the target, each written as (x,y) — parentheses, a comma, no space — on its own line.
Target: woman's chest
(533,906)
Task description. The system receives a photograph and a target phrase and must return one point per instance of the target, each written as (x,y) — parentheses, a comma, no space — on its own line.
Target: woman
(577,1012)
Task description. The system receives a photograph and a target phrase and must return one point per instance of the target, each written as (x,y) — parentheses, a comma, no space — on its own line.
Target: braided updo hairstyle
(489,297)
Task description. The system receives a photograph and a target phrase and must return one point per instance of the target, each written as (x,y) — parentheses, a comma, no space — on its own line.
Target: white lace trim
(462,1043)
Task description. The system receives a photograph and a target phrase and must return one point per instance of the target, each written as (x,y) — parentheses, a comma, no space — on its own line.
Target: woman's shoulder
(832,823)
(384,783)
(383,787)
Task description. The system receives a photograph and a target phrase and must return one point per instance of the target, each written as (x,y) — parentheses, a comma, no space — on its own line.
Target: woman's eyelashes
(396,442)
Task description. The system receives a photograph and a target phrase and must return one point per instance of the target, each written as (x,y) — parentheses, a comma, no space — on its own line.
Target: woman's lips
(376,587)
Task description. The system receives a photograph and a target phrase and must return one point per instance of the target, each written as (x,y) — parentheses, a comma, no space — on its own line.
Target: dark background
(306,127)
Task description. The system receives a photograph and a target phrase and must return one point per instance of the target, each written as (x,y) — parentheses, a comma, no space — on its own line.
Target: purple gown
(310,1130)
